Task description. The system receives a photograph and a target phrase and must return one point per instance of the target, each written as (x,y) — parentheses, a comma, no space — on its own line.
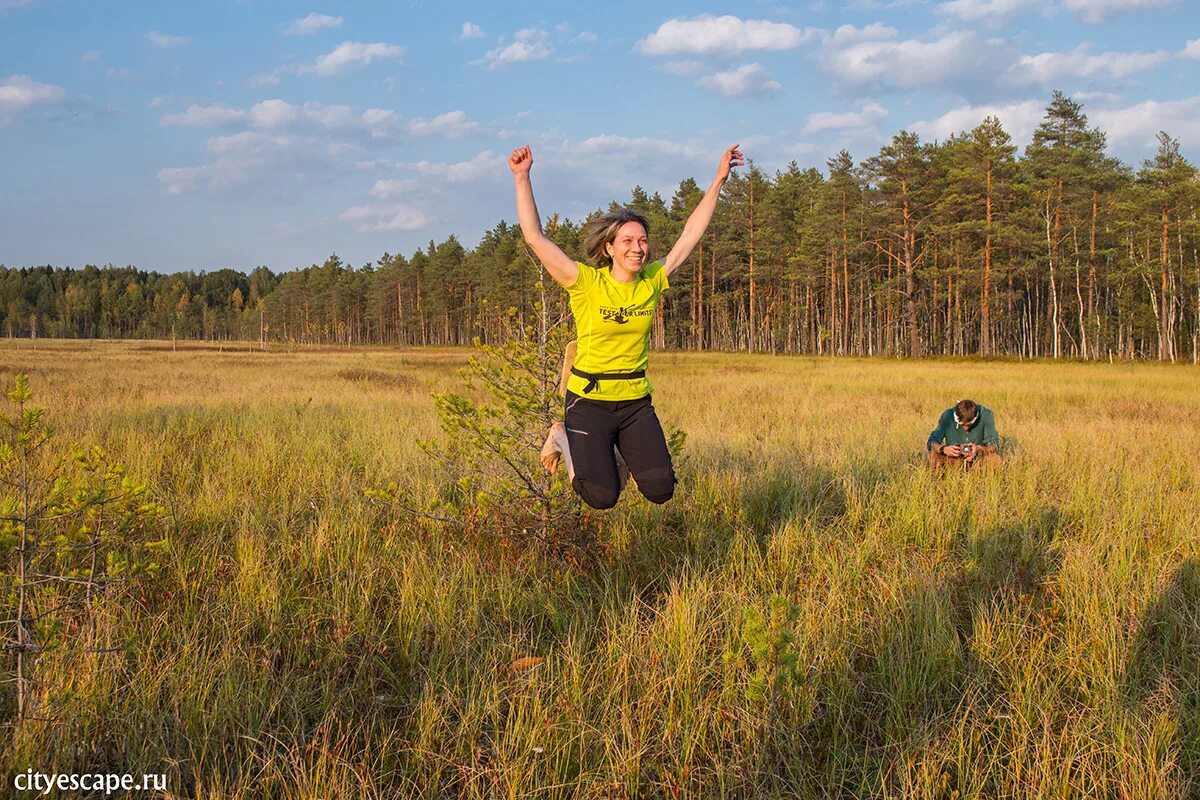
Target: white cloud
(1097,10)
(379,117)
(617,162)
(225,171)
(19,93)
(848,34)
(954,57)
(385,217)
(607,165)
(1192,50)
(530,45)
(279,114)
(611,146)
(331,116)
(471,31)
(461,172)
(91,56)
(9,5)
(273,113)
(282,141)
(878,5)
(339,150)
(163,40)
(1138,125)
(749,79)
(870,114)
(451,125)
(1051,67)
(118,74)
(204,116)
(1019,119)
(386,189)
(726,36)
(247,142)
(990,10)
(351,54)
(313,23)
(586,37)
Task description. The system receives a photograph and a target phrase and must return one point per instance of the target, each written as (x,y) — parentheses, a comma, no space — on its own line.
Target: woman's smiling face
(629,248)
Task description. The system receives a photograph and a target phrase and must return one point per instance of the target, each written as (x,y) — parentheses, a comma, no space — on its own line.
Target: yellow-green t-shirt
(612,325)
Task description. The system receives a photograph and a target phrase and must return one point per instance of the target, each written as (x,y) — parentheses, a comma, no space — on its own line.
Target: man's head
(966,412)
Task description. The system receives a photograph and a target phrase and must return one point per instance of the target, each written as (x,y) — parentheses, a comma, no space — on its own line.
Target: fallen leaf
(529,662)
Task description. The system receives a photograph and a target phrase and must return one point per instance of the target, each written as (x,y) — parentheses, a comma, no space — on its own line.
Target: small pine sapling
(76,533)
(496,488)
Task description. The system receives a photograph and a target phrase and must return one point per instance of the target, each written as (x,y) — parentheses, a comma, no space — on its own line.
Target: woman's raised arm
(561,267)
(696,224)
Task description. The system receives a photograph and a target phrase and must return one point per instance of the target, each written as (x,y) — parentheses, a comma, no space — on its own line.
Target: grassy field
(1030,633)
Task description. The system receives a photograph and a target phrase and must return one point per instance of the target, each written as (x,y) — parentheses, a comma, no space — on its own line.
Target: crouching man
(965,437)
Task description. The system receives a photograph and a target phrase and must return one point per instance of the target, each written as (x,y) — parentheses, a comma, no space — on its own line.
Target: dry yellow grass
(1032,633)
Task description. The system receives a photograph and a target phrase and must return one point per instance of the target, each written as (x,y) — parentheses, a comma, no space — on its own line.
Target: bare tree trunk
(860,333)
(697,291)
(948,334)
(1166,350)
(1083,342)
(833,299)
(1091,298)
(910,286)
(751,329)
(1196,321)
(400,337)
(421,315)
(710,335)
(1051,241)
(808,316)
(959,343)
(845,346)
(845,341)
(985,311)
(793,301)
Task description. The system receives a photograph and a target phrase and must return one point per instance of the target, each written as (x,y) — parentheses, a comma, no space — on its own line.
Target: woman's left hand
(731,158)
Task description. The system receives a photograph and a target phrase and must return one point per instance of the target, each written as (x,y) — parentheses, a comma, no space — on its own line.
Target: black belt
(594,378)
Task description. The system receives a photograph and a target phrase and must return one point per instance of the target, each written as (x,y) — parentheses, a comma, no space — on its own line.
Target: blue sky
(234,133)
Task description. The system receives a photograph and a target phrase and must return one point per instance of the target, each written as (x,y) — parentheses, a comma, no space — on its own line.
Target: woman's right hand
(521,160)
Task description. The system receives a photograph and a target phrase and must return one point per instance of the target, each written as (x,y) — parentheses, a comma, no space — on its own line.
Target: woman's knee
(657,488)
(595,495)
(657,491)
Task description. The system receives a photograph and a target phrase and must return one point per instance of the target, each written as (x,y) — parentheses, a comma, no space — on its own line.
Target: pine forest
(958,247)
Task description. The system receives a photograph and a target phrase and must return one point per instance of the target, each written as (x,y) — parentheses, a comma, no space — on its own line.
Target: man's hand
(952,450)
(521,160)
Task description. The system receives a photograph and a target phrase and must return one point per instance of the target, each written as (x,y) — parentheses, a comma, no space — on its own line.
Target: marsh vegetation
(813,615)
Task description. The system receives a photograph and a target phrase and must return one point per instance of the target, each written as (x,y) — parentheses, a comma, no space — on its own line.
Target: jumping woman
(608,407)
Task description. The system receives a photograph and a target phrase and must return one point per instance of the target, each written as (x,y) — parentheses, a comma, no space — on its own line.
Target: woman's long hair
(603,230)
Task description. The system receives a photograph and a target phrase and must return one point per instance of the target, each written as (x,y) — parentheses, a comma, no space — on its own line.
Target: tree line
(954,247)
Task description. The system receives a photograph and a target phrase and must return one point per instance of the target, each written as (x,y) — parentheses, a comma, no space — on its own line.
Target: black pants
(594,426)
